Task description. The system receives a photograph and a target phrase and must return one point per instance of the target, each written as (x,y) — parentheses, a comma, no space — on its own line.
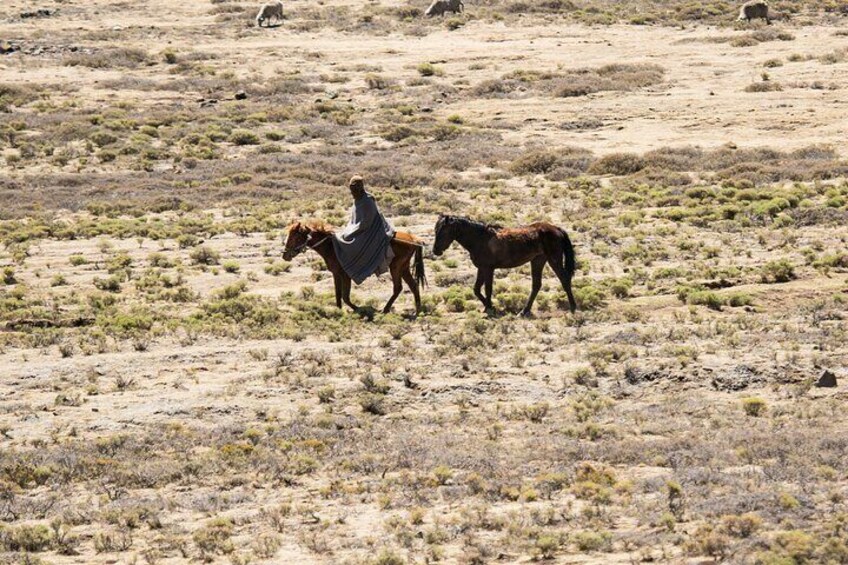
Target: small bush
(110,284)
(764,86)
(537,161)
(244,137)
(9,276)
(428,70)
(214,537)
(27,538)
(754,406)
(592,541)
(373,404)
(705,298)
(618,164)
(777,271)
(205,256)
(547,545)
(377,82)
(742,525)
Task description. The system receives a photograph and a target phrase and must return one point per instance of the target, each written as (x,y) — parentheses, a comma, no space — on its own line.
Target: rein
(312,246)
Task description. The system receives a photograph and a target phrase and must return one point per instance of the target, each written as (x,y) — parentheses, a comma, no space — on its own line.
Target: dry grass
(174,392)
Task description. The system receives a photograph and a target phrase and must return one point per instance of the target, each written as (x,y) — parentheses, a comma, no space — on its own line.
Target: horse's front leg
(478,284)
(337,282)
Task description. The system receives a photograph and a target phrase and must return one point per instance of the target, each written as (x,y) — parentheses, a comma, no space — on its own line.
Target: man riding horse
(366,246)
(363,247)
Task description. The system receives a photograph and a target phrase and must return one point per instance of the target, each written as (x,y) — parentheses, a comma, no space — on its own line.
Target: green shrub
(244,137)
(214,537)
(26,538)
(705,298)
(592,541)
(110,284)
(9,276)
(547,545)
(205,256)
(587,297)
(427,69)
(620,288)
(277,268)
(777,271)
(754,406)
(738,299)
(388,557)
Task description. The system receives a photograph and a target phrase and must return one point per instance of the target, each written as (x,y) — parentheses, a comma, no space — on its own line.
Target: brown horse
(318,237)
(494,247)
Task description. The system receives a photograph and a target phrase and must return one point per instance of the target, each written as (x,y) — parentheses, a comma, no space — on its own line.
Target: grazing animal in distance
(440,7)
(494,247)
(318,237)
(755,9)
(268,11)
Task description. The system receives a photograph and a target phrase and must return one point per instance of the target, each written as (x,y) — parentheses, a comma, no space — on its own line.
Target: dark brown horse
(318,237)
(494,247)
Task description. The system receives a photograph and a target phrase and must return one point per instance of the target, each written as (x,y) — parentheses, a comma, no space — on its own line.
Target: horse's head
(445,235)
(297,240)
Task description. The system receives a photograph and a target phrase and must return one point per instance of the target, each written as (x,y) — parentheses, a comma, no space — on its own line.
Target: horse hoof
(526,314)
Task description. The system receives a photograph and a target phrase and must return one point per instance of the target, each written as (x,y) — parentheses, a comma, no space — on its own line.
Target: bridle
(306,244)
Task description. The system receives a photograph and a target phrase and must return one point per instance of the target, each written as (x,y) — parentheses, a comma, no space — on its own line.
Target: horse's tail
(420,276)
(569,265)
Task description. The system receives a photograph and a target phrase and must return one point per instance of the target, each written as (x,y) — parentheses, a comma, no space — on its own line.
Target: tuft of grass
(754,406)
(764,86)
(244,137)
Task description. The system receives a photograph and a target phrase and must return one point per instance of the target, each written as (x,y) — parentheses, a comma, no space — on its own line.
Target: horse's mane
(475,223)
(313,224)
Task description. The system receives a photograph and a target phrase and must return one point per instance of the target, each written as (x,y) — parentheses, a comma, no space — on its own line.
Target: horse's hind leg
(490,281)
(346,284)
(556,265)
(413,287)
(537,266)
(396,287)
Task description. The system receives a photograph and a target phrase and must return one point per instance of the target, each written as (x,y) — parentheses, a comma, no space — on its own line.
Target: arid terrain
(173,391)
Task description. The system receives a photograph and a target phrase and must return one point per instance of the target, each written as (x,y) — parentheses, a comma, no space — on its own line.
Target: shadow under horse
(494,247)
(406,247)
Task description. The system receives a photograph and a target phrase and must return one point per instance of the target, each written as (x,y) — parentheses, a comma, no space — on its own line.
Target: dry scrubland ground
(173,391)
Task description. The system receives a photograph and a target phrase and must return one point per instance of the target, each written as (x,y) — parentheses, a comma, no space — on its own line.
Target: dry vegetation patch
(173,391)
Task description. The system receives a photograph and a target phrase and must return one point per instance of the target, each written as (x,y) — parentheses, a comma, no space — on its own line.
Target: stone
(827,380)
